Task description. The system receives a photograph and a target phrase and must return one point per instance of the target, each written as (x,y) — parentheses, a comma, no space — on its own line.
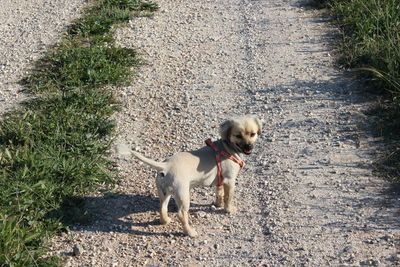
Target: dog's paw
(218,203)
(166,220)
(231,209)
(191,232)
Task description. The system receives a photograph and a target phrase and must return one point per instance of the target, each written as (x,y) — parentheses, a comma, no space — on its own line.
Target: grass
(370,44)
(100,18)
(54,147)
(371,39)
(75,65)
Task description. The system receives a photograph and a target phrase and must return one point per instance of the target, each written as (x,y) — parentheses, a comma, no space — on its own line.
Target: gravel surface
(27,29)
(307,196)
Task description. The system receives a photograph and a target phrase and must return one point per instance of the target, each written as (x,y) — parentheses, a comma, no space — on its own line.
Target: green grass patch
(76,65)
(54,147)
(21,245)
(100,18)
(371,39)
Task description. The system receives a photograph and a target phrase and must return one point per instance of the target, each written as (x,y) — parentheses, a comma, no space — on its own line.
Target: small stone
(201,214)
(387,237)
(77,250)
(371,241)
(264,163)
(349,249)
(370,262)
(397,257)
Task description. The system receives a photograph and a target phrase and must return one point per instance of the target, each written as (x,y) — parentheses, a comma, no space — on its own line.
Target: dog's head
(241,133)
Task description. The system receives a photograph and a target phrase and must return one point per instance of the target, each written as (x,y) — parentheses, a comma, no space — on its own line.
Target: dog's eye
(252,134)
(239,136)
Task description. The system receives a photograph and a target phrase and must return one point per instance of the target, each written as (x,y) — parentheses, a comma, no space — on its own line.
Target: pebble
(350,249)
(370,262)
(77,250)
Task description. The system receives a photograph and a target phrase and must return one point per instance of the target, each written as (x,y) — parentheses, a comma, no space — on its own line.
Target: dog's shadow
(118,212)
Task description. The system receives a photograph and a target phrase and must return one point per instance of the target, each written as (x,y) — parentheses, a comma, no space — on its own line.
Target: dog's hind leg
(164,199)
(183,201)
(164,219)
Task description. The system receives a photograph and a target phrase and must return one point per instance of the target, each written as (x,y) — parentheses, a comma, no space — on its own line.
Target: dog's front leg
(229,192)
(219,193)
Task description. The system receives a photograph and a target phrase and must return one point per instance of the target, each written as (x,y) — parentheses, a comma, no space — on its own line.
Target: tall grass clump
(371,39)
(53,147)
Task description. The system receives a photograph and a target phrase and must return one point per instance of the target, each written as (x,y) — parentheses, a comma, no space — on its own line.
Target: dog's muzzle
(247,148)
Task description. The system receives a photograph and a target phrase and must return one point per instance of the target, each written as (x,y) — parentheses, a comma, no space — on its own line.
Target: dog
(184,170)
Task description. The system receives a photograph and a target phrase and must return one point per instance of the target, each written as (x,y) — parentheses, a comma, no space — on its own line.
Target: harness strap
(218,154)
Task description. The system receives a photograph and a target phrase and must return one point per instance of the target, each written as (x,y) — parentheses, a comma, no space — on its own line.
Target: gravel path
(27,30)
(308,196)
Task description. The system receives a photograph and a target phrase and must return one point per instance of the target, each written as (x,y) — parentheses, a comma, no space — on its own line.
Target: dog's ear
(259,124)
(225,129)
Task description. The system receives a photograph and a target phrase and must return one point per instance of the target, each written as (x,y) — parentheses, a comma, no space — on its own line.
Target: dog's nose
(248,146)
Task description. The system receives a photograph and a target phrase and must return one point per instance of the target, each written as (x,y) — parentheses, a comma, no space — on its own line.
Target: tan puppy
(185,170)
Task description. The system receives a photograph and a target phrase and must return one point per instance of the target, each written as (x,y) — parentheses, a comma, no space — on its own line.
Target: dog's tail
(159,166)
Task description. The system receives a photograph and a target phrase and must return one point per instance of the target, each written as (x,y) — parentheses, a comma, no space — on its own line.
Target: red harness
(218,154)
